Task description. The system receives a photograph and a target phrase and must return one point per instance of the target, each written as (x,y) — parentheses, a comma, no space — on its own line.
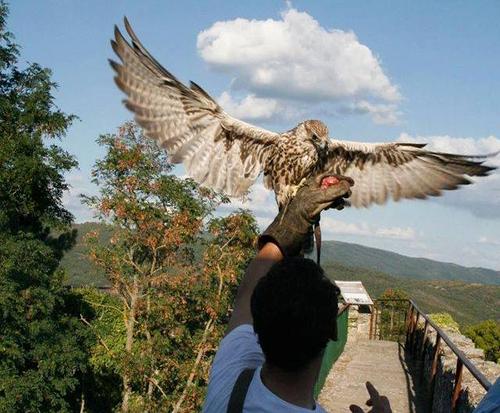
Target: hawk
(226,154)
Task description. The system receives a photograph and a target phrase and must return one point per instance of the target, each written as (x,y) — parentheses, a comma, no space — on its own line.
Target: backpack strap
(240,390)
(317,240)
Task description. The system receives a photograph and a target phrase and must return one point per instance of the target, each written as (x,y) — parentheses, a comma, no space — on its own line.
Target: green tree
(102,382)
(392,305)
(172,267)
(486,335)
(445,320)
(227,252)
(41,354)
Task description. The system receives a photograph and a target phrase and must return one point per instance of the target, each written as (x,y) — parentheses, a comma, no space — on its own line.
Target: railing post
(391,324)
(434,366)
(372,307)
(380,325)
(422,349)
(457,389)
(414,334)
(403,317)
(408,313)
(424,338)
(417,350)
(376,324)
(408,325)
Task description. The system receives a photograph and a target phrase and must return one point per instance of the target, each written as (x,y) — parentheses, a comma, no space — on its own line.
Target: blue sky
(432,69)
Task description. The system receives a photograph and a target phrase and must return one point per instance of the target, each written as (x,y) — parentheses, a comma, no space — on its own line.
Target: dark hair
(294,309)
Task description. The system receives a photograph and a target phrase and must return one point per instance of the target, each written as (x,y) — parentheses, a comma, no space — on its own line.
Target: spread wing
(399,170)
(217,150)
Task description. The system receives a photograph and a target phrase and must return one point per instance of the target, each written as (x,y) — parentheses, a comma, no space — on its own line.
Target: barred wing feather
(400,170)
(217,150)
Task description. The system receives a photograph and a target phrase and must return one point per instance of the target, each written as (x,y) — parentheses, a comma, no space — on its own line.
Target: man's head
(294,310)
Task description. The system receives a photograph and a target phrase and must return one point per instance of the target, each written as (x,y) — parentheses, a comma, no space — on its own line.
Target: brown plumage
(228,155)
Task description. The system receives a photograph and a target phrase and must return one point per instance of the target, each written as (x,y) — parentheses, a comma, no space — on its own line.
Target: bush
(445,320)
(486,335)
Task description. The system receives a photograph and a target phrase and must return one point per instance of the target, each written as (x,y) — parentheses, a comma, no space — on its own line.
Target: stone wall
(443,384)
(359,323)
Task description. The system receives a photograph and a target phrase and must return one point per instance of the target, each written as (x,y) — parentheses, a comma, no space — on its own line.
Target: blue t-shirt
(238,351)
(491,401)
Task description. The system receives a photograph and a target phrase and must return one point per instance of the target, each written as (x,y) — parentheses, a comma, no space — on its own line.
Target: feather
(228,155)
(400,170)
(187,122)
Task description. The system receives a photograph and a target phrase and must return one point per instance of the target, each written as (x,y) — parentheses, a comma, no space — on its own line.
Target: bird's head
(317,133)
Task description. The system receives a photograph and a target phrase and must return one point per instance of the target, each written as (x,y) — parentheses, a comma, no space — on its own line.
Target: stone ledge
(472,392)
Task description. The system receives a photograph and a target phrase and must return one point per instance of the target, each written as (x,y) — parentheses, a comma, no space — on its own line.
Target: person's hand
(291,225)
(378,403)
(322,192)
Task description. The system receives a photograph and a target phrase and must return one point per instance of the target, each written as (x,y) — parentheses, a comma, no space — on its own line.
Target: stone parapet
(443,383)
(359,323)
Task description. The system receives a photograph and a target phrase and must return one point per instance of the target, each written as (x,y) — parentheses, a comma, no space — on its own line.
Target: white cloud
(250,107)
(263,222)
(295,59)
(382,113)
(450,144)
(398,237)
(489,241)
(332,228)
(483,197)
(336,227)
(407,233)
(260,201)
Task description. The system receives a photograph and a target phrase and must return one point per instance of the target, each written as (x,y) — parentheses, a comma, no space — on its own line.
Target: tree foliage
(445,320)
(42,344)
(486,335)
(173,268)
(101,383)
(392,305)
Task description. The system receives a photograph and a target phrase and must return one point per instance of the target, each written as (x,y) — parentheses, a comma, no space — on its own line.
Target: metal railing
(398,320)
(412,324)
(388,320)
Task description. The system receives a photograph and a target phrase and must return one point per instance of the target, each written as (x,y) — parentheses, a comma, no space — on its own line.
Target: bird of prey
(226,154)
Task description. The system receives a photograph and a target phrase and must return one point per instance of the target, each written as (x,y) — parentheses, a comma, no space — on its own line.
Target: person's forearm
(286,234)
(258,267)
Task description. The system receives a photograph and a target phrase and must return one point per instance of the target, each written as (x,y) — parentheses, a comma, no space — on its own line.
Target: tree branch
(82,318)
(201,351)
(104,305)
(155,382)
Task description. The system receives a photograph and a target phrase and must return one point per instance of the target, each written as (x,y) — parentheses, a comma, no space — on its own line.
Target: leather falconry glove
(291,225)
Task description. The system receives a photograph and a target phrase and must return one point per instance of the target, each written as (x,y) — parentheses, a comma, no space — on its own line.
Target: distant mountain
(78,266)
(468,303)
(458,290)
(401,266)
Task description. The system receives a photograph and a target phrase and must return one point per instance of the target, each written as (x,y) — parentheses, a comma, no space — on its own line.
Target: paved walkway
(381,363)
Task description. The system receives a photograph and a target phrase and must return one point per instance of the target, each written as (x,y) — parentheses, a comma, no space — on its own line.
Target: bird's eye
(315,137)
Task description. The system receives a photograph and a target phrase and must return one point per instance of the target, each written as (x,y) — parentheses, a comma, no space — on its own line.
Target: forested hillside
(467,302)
(79,269)
(400,266)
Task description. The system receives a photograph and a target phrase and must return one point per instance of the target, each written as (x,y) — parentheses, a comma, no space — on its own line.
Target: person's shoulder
(239,342)
(261,399)
(491,401)
(238,351)
(319,409)
(240,331)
